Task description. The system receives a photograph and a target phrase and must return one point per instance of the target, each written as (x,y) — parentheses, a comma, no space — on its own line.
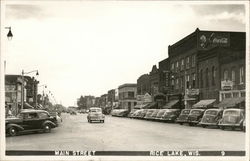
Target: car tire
(13,131)
(204,126)
(222,128)
(102,121)
(46,128)
(181,123)
(90,121)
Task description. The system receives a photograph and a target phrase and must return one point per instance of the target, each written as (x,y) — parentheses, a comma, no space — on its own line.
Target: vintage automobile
(232,118)
(154,114)
(95,114)
(132,112)
(142,114)
(160,114)
(171,115)
(183,117)
(149,113)
(195,116)
(244,125)
(122,113)
(30,120)
(211,117)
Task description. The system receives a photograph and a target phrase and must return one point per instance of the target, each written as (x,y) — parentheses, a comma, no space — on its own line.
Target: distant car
(30,120)
(122,113)
(170,115)
(136,113)
(183,117)
(211,117)
(95,114)
(160,114)
(232,118)
(195,116)
(73,112)
(149,113)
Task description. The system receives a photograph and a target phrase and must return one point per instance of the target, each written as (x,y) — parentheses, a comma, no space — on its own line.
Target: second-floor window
(233,75)
(182,64)
(187,81)
(131,94)
(187,63)
(172,66)
(193,75)
(193,61)
(213,75)
(177,65)
(201,78)
(207,78)
(225,74)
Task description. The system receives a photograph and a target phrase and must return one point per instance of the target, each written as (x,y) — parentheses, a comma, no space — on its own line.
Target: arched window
(233,75)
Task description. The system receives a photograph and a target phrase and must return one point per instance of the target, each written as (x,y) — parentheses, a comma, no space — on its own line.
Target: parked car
(232,118)
(95,114)
(161,113)
(136,113)
(142,113)
(244,125)
(171,115)
(211,117)
(30,120)
(183,117)
(154,114)
(195,116)
(149,113)
(122,112)
(132,112)
(73,112)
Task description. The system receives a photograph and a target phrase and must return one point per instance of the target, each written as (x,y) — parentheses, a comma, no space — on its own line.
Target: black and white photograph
(124,80)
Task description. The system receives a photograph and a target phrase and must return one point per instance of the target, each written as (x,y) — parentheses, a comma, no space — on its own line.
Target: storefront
(232,103)
(209,103)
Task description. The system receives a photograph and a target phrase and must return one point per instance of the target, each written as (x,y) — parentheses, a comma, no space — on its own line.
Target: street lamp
(44,86)
(22,95)
(9,35)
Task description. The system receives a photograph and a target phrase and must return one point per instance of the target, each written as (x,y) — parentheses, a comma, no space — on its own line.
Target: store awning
(204,103)
(151,105)
(170,104)
(231,102)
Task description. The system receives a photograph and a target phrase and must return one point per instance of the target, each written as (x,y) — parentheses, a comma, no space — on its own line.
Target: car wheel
(181,123)
(90,121)
(46,128)
(13,131)
(204,126)
(102,121)
(222,128)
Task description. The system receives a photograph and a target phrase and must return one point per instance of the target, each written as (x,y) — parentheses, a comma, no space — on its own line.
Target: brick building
(154,81)
(143,85)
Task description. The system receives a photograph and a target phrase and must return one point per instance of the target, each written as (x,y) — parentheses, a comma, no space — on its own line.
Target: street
(121,134)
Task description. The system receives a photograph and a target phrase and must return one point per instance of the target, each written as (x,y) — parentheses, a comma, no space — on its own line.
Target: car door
(33,120)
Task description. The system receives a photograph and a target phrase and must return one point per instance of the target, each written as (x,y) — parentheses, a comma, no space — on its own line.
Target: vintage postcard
(124,80)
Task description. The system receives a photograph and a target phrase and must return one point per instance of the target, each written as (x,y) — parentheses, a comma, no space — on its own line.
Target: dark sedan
(195,116)
(171,115)
(183,117)
(211,117)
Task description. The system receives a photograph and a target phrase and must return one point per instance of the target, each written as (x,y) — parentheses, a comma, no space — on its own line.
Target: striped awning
(231,102)
(204,103)
(170,104)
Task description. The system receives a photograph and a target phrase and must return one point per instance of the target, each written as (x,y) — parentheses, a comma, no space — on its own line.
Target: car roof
(32,110)
(214,109)
(91,108)
(233,109)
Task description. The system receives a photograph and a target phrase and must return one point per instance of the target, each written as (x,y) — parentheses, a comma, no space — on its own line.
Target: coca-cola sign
(207,40)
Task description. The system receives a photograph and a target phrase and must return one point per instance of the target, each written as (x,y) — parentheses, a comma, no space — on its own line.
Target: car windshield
(211,112)
(96,110)
(195,112)
(231,112)
(185,112)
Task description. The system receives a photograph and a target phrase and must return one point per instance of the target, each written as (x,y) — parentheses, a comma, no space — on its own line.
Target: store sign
(147,98)
(226,85)
(192,92)
(10,88)
(207,40)
(139,97)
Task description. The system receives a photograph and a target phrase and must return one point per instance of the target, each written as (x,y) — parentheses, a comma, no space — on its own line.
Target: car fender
(16,126)
(49,122)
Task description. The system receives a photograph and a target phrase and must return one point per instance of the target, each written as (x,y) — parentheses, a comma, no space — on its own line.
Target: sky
(88,48)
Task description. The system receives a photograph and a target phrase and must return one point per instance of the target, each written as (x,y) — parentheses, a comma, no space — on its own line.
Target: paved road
(75,133)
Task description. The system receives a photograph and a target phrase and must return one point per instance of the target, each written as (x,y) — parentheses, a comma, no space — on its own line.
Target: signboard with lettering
(192,92)
(10,88)
(208,40)
(226,85)
(147,98)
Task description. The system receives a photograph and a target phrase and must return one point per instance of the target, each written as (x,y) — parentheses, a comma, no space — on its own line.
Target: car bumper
(230,125)
(209,124)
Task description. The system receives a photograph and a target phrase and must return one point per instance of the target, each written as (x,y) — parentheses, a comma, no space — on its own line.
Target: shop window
(213,75)
(207,76)
(225,74)
(241,75)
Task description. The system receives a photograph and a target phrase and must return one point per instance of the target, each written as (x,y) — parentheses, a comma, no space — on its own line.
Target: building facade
(127,96)
(164,74)
(154,81)
(143,84)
